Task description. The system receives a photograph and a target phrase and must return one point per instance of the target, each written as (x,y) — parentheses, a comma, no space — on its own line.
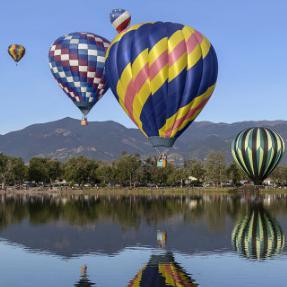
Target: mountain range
(107,140)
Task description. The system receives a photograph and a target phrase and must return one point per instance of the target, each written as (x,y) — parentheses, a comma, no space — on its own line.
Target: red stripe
(124,25)
(134,87)
(178,122)
(177,52)
(158,64)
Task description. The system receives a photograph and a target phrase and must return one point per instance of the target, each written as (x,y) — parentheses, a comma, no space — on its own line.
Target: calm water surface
(176,241)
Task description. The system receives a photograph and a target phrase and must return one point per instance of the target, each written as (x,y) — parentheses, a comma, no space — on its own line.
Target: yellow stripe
(181,63)
(183,112)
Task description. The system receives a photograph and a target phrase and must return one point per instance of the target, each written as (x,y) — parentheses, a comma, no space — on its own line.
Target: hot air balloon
(77,63)
(162,74)
(120,19)
(257,151)
(84,281)
(257,235)
(162,271)
(17,52)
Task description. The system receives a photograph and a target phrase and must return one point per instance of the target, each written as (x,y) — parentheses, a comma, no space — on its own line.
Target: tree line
(128,170)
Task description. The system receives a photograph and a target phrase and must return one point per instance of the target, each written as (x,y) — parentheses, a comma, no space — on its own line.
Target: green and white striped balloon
(258,151)
(258,235)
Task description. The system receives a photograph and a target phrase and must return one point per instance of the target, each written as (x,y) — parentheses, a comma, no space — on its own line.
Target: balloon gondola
(77,63)
(258,151)
(162,75)
(257,235)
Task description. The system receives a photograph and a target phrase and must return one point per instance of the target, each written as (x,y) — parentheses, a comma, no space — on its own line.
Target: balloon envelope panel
(258,151)
(77,63)
(162,74)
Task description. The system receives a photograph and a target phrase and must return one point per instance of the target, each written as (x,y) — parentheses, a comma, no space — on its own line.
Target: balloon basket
(162,161)
(84,122)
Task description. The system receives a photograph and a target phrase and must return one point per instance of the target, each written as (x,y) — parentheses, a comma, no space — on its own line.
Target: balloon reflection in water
(161,271)
(84,281)
(258,235)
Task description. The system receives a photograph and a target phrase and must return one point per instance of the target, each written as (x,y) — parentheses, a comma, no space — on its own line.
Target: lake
(143,241)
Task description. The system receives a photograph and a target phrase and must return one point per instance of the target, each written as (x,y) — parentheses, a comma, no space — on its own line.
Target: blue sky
(249,38)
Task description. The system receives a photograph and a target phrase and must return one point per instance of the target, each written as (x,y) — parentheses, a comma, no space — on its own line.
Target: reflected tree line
(128,212)
(128,170)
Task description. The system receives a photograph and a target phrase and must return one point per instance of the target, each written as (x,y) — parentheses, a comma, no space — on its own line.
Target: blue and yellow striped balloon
(162,74)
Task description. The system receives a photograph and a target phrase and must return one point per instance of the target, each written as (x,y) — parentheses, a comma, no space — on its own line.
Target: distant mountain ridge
(65,138)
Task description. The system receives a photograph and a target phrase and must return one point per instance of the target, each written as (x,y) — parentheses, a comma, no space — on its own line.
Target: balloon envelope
(257,235)
(120,19)
(257,151)
(162,74)
(17,52)
(162,271)
(77,63)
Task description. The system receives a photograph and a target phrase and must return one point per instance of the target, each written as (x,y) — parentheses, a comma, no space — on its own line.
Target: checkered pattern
(120,19)
(77,62)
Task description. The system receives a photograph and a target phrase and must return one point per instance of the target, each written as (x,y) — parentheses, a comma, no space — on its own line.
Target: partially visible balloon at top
(120,19)
(16,52)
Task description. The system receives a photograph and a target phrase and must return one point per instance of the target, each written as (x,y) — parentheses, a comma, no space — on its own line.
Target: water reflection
(84,280)
(162,271)
(257,235)
(76,225)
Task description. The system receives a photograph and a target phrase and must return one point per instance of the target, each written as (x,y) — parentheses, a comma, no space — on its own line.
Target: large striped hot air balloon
(162,271)
(17,52)
(257,235)
(258,151)
(162,74)
(77,63)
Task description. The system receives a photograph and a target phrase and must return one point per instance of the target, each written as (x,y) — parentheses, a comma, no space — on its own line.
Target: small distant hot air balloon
(257,235)
(257,151)
(162,74)
(77,63)
(120,19)
(162,271)
(17,52)
(84,281)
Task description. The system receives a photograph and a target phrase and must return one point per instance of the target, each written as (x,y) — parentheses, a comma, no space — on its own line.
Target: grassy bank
(141,191)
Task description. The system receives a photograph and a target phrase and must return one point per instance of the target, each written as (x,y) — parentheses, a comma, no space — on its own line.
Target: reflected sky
(46,241)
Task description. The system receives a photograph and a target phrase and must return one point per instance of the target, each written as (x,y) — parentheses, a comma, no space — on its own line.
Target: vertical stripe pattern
(257,151)
(162,74)
(258,235)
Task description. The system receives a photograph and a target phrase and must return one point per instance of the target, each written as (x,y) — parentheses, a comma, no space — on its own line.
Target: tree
(81,170)
(39,170)
(12,170)
(106,174)
(279,175)
(55,170)
(215,168)
(234,173)
(196,169)
(127,169)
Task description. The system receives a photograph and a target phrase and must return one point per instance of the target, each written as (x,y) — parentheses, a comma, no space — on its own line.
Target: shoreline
(142,191)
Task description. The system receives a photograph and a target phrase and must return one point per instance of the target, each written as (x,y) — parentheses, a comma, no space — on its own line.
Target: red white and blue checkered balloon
(77,63)
(120,18)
